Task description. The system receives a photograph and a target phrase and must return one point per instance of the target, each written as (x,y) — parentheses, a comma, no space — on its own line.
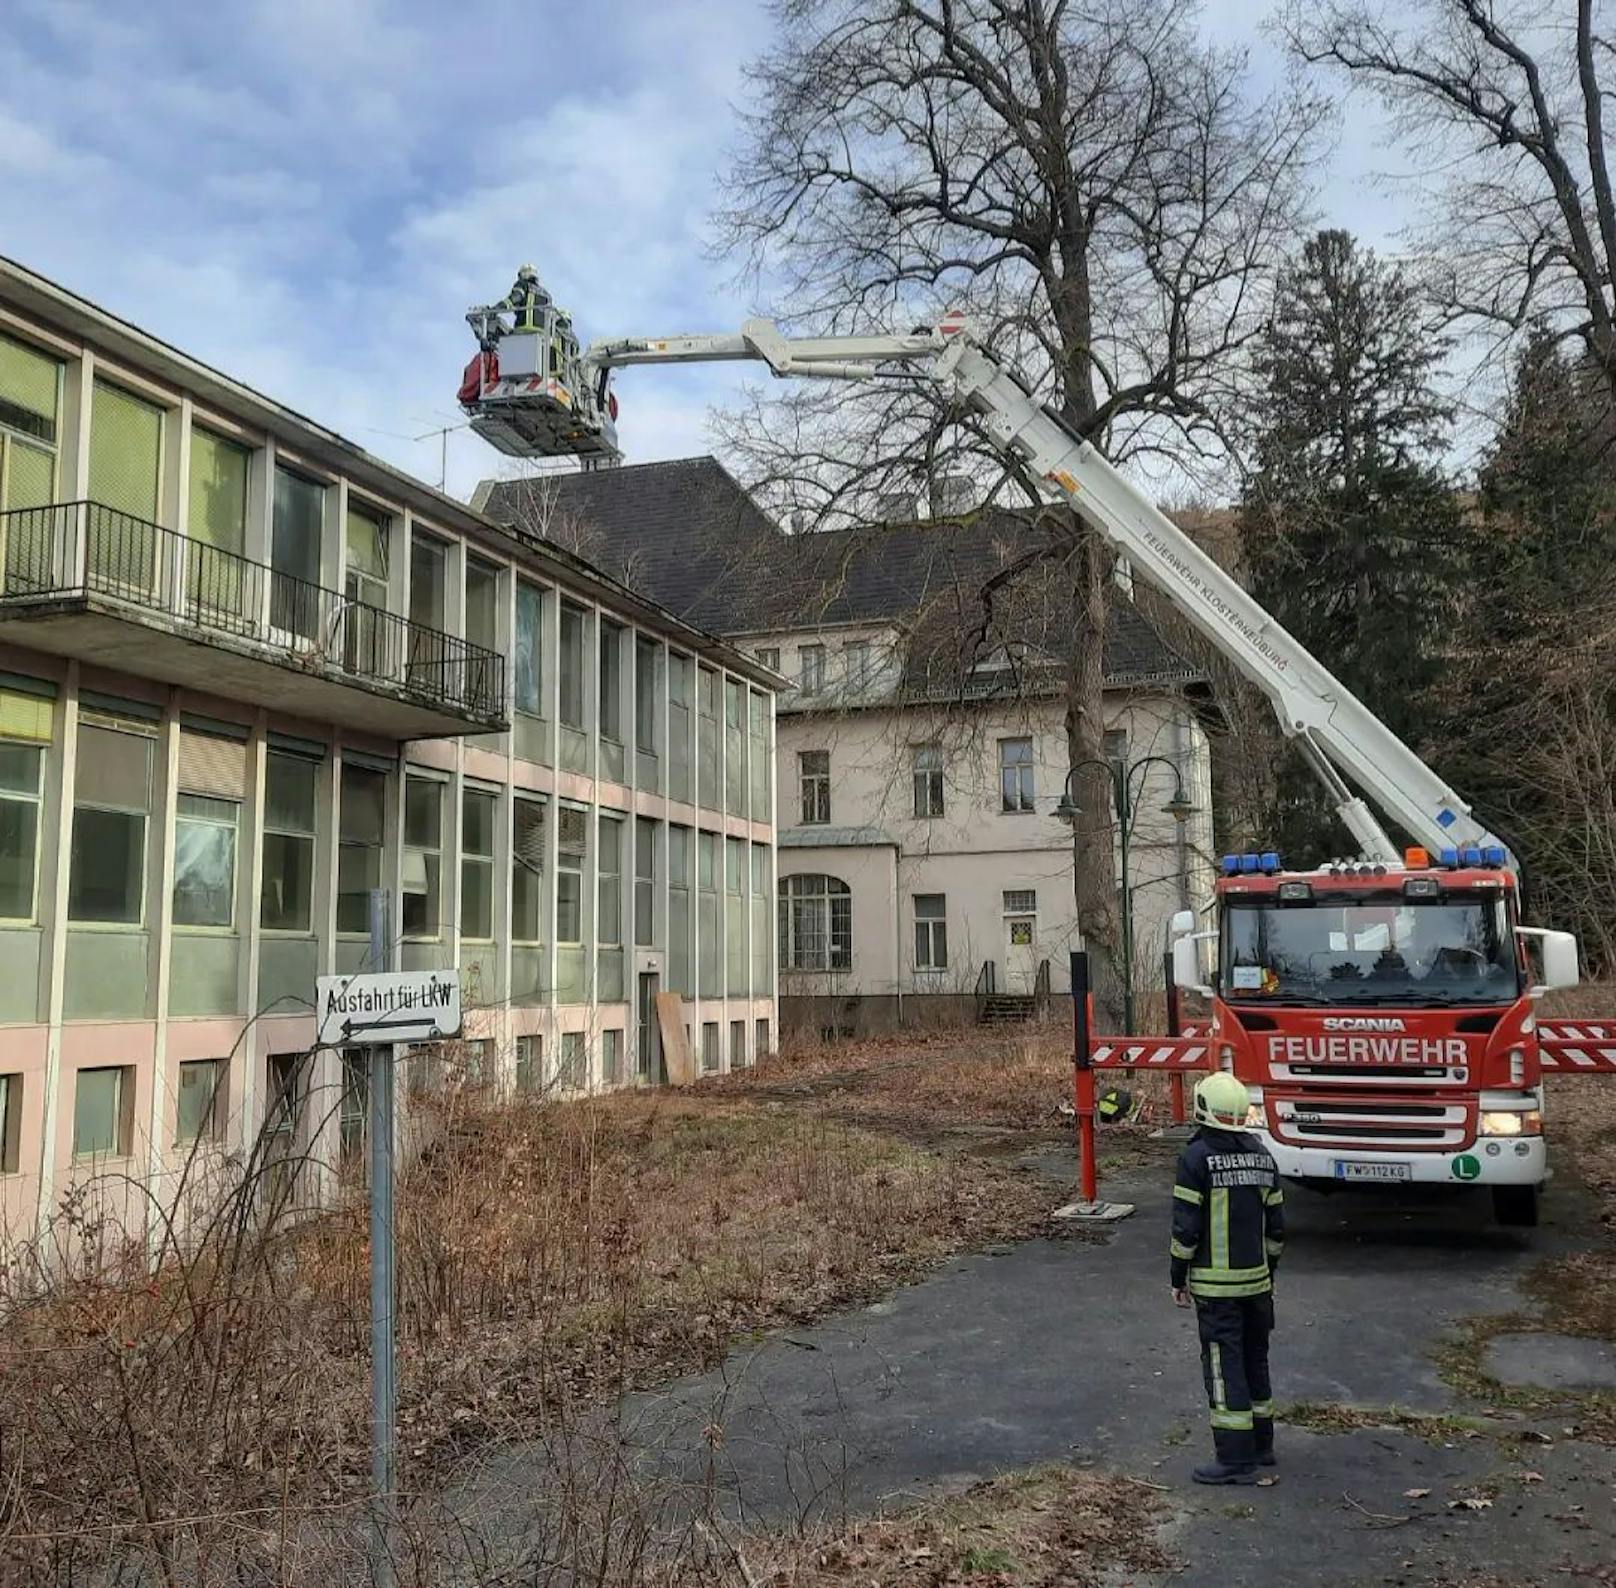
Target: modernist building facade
(923,859)
(249,673)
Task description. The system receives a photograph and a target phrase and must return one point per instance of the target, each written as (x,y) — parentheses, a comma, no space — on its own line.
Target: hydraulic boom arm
(1340,736)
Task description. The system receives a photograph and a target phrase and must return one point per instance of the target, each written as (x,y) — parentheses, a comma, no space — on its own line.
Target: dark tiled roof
(689,536)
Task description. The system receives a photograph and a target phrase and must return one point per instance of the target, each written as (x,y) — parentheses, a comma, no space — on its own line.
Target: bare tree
(1505,99)
(1095,186)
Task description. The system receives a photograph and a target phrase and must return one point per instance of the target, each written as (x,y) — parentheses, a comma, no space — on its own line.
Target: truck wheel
(1515,1205)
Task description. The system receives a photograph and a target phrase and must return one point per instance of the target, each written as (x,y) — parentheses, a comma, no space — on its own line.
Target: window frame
(1026,793)
(146,733)
(197,818)
(930,929)
(609,704)
(811,669)
(814,788)
(310,838)
(609,884)
(530,598)
(571,613)
(832,936)
(414,783)
(123,1111)
(927,776)
(645,879)
(542,804)
(11,1092)
(36,802)
(213,1126)
(572,861)
(471,859)
(380,846)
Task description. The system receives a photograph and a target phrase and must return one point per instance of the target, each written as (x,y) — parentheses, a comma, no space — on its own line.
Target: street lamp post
(1124,796)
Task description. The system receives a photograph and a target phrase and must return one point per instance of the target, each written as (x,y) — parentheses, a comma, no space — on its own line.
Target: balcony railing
(81,548)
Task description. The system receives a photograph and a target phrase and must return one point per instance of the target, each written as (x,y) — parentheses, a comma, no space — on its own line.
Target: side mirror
(1182,925)
(1187,965)
(1558,951)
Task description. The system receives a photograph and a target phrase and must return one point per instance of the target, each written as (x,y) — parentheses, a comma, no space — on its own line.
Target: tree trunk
(1094,879)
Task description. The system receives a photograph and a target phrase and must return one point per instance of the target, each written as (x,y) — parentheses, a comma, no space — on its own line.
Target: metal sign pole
(383,1386)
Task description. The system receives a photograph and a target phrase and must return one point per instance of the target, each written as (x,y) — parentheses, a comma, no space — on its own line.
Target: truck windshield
(1371,949)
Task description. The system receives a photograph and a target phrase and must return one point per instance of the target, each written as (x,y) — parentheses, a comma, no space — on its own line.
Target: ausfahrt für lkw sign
(387,1006)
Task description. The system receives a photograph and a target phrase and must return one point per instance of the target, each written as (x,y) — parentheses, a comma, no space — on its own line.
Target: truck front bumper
(1493,1160)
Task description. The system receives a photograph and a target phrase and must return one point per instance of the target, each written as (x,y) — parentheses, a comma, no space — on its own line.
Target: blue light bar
(1269,861)
(1250,863)
(1231,864)
(1494,855)
(1471,855)
(1449,857)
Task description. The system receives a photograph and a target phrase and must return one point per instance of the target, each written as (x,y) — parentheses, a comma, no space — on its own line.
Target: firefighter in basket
(1228,1229)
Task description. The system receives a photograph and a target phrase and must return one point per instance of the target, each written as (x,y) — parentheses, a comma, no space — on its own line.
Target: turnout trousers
(1234,1359)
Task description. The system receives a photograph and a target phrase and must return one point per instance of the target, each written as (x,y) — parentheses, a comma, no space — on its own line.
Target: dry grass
(1056,1527)
(1013,1078)
(204,1421)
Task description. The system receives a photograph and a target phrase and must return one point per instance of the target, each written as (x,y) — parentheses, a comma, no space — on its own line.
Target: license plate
(1346,1169)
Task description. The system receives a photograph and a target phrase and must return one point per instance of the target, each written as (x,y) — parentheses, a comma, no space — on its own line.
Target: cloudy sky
(309,193)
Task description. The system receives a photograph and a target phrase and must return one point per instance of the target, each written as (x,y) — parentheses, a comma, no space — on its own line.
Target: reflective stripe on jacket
(1228,1216)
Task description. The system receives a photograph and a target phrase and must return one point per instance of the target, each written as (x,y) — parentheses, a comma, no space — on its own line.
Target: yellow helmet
(1221,1101)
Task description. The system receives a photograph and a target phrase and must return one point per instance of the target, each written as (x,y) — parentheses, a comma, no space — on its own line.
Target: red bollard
(1175,1082)
(1088,1205)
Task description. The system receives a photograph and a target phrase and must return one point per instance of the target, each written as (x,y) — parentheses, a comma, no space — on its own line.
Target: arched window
(816,924)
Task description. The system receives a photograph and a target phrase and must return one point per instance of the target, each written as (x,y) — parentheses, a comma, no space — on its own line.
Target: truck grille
(1372,1122)
(1373,1075)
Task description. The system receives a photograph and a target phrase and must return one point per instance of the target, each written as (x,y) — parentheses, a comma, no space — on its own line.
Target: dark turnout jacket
(1228,1216)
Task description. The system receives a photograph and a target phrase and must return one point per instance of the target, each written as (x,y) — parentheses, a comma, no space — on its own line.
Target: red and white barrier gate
(1577,1047)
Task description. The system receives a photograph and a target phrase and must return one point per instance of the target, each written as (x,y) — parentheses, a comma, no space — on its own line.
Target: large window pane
(611,681)
(482,603)
(216,510)
(126,451)
(422,885)
(573,623)
(647,694)
(126,456)
(477,864)
(645,842)
(529,658)
(30,390)
(680,688)
(707,747)
(98,1112)
(290,785)
(108,869)
(527,871)
(572,845)
(359,847)
(609,920)
(295,554)
(202,1105)
(20,769)
(205,861)
(816,924)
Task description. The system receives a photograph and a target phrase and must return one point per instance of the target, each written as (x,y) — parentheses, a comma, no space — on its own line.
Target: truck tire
(1515,1206)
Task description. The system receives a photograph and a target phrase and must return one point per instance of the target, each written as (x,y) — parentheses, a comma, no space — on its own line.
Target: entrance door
(648,1056)
(1021,953)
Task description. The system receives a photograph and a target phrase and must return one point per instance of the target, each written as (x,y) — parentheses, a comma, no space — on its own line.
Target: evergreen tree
(1526,708)
(1350,532)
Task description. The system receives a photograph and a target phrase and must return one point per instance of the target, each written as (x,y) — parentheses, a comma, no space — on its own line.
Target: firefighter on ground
(1228,1228)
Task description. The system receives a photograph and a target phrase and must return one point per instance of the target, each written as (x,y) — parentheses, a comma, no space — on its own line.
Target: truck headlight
(1526,1123)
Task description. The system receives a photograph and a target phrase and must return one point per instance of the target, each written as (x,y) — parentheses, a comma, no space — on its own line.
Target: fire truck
(1383,1009)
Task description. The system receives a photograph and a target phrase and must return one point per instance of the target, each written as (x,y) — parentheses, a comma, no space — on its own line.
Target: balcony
(81,579)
